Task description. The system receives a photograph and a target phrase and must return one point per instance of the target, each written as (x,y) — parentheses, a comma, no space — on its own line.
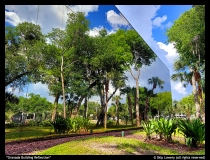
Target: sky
(150,21)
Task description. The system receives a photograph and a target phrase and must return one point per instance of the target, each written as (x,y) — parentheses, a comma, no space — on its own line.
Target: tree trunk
(146,109)
(63,89)
(56,106)
(101,115)
(85,108)
(117,123)
(130,108)
(138,117)
(197,105)
(105,108)
(75,111)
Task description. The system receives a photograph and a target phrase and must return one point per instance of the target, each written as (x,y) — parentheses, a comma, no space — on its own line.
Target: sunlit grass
(117,145)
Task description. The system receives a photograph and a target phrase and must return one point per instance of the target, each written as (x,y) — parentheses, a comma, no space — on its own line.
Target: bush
(148,128)
(60,124)
(157,127)
(32,123)
(193,131)
(11,125)
(74,124)
(110,122)
(46,123)
(167,127)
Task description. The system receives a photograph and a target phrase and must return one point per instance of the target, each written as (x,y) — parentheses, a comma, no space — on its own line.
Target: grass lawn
(29,132)
(111,146)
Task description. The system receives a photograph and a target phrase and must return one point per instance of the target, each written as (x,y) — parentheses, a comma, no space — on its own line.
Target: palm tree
(116,99)
(155,81)
(188,75)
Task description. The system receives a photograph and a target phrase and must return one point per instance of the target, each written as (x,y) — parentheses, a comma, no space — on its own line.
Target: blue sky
(150,21)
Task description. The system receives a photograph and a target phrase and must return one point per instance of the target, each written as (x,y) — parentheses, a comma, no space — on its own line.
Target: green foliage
(77,124)
(188,36)
(11,125)
(187,105)
(33,104)
(161,101)
(167,127)
(60,124)
(22,55)
(110,122)
(148,128)
(45,123)
(156,128)
(193,131)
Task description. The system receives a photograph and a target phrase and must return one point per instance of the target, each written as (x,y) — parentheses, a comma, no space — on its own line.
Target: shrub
(11,125)
(32,123)
(45,123)
(148,128)
(74,124)
(193,131)
(60,124)
(110,122)
(157,127)
(167,127)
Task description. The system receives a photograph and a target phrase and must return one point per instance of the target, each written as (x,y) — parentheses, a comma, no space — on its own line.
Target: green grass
(30,132)
(26,132)
(116,145)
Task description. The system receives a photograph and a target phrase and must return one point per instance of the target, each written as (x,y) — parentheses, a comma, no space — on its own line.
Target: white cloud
(39,86)
(178,86)
(116,20)
(12,18)
(171,51)
(55,15)
(95,31)
(167,25)
(84,8)
(158,21)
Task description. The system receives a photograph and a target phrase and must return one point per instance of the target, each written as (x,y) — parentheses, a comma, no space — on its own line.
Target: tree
(188,36)
(22,56)
(129,93)
(71,43)
(10,97)
(107,66)
(142,55)
(187,105)
(116,100)
(155,81)
(161,101)
(34,104)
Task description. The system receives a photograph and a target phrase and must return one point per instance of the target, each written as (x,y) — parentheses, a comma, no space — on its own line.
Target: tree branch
(112,94)
(15,78)
(132,74)
(70,64)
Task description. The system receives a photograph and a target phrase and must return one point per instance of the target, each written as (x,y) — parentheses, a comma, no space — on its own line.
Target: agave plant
(148,128)
(193,131)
